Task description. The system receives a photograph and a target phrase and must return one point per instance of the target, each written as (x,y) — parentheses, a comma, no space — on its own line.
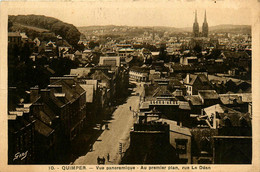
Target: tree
(197,48)
(93,44)
(81,47)
(162,52)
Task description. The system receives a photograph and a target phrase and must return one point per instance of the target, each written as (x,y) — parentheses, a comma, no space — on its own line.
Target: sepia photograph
(129,83)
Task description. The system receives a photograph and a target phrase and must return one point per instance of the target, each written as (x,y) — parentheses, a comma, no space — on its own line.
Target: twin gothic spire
(204,26)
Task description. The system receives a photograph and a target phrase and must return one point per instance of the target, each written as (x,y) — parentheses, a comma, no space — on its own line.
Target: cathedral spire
(196,26)
(205,27)
(196,21)
(205,17)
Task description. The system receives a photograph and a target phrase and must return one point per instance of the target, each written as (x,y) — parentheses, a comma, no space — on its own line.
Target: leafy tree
(197,48)
(93,44)
(162,52)
(67,31)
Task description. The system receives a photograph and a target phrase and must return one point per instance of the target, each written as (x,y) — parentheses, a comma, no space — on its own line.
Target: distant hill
(40,26)
(135,31)
(225,28)
(125,31)
(231,28)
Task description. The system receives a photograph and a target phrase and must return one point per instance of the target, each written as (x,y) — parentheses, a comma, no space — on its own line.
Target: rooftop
(208,94)
(43,128)
(194,99)
(244,97)
(14,34)
(176,128)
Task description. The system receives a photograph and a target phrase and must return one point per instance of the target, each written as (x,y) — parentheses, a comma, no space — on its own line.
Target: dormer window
(243,122)
(227,121)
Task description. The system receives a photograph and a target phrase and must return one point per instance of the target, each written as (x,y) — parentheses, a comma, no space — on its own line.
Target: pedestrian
(98,160)
(108,157)
(104,160)
(130,108)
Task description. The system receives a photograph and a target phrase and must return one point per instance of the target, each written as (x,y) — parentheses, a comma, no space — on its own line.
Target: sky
(139,13)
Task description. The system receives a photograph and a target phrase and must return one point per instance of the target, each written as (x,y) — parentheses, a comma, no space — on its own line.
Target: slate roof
(229,98)
(81,72)
(194,77)
(100,73)
(176,82)
(184,105)
(53,98)
(240,54)
(175,128)
(235,118)
(183,67)
(246,97)
(72,92)
(225,112)
(194,99)
(14,34)
(208,94)
(44,118)
(42,128)
(215,108)
(140,69)
(161,92)
(16,123)
(47,110)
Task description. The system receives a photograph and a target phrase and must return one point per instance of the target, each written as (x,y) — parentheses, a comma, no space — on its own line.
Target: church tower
(196,26)
(205,28)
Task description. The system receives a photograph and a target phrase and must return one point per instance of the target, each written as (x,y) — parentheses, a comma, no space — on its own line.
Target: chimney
(145,118)
(214,121)
(34,94)
(188,78)
(57,88)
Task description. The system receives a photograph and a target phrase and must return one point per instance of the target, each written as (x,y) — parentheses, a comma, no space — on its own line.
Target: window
(205,144)
(181,146)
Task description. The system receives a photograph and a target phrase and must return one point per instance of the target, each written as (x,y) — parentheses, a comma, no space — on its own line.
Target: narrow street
(118,132)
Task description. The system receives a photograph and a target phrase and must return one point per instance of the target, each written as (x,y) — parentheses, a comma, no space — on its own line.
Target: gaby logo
(21,156)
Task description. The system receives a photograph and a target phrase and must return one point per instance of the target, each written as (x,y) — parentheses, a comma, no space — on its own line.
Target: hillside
(125,31)
(227,28)
(132,31)
(231,28)
(37,29)
(44,27)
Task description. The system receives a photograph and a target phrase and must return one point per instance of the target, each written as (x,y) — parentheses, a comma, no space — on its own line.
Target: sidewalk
(108,141)
(81,144)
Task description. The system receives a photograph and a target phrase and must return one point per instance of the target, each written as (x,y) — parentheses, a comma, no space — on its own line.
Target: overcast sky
(136,13)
